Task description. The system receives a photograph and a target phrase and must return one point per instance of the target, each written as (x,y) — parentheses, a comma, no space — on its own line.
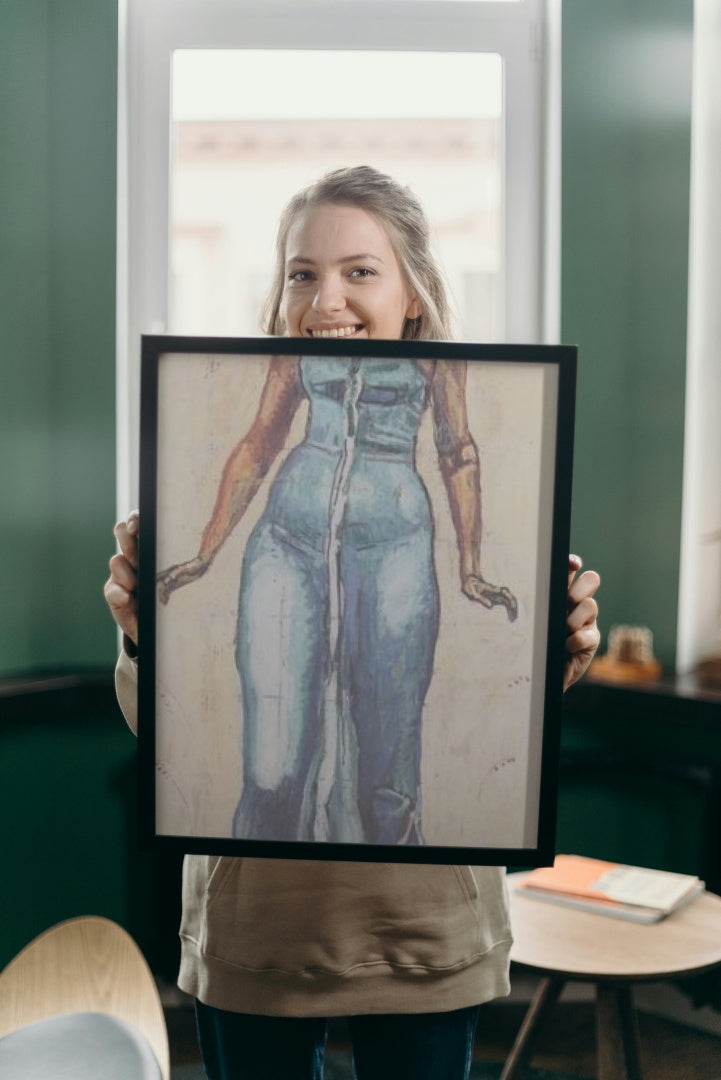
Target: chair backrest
(88,964)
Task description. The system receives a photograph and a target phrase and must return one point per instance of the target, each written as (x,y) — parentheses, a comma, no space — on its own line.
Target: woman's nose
(329,296)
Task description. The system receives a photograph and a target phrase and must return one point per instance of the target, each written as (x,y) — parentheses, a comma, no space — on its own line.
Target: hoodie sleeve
(126,688)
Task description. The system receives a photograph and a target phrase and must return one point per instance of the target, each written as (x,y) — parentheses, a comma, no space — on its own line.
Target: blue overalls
(338,618)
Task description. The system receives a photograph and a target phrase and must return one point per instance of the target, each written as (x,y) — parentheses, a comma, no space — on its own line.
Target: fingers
(585,640)
(584,613)
(121,602)
(582,632)
(121,587)
(583,636)
(126,534)
(124,572)
(123,608)
(583,587)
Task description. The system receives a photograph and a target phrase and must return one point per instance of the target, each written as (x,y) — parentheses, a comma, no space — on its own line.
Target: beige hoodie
(297,938)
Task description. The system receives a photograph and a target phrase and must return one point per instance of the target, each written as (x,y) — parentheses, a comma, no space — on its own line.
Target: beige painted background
(483,715)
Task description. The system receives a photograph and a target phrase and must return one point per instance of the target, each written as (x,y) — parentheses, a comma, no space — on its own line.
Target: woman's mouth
(335,331)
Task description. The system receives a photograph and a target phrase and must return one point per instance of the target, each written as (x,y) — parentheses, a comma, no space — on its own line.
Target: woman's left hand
(582,634)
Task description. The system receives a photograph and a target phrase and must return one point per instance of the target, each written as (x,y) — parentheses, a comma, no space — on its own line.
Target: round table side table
(564,944)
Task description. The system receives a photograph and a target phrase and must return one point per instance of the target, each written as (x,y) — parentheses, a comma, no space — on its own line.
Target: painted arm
(244,471)
(461,472)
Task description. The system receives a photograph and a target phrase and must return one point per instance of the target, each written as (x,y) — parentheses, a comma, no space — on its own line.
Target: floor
(669,1051)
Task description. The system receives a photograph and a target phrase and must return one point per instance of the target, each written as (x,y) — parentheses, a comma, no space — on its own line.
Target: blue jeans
(413,1046)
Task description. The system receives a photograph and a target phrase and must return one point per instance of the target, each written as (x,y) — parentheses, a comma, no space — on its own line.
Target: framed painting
(352,597)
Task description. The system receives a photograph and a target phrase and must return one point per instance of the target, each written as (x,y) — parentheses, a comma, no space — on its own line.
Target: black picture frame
(488,733)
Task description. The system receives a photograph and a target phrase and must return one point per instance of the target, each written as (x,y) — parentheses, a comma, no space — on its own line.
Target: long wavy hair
(402,216)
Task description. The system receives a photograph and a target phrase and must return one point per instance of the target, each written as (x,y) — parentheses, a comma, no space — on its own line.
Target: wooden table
(563,944)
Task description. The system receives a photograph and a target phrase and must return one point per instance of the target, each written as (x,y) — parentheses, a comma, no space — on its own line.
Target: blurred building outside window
(235,162)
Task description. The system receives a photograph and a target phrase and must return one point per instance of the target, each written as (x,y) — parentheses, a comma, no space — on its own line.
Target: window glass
(251,127)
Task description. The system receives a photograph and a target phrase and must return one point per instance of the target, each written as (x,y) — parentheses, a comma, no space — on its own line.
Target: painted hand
(482,592)
(178,575)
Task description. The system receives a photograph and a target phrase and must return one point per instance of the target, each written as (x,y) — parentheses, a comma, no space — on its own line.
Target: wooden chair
(77,976)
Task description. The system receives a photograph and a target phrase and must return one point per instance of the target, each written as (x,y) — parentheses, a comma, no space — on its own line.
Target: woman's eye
(300,276)
(362,272)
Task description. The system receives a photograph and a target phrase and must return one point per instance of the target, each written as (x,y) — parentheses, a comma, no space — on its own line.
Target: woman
(271,948)
(340,568)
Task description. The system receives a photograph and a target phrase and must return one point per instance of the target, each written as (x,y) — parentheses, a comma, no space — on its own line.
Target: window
(236,160)
(227,107)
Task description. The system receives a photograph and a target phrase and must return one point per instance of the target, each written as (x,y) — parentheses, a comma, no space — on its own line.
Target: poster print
(352,597)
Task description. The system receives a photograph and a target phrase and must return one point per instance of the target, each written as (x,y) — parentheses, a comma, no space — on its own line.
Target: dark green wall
(626,146)
(66,759)
(68,801)
(58,75)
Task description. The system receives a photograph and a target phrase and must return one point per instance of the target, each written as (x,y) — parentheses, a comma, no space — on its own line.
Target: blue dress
(338,617)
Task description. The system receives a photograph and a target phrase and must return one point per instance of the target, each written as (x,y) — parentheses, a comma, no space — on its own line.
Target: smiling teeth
(336,332)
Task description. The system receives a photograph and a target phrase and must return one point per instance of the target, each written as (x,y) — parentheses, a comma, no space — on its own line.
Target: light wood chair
(87,965)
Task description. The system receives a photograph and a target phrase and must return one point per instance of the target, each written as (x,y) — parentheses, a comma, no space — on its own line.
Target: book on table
(609,888)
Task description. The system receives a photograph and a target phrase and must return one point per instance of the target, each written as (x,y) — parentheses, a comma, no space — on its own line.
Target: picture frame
(342,678)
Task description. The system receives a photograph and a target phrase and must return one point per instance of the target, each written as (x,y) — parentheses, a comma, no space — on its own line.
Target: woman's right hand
(121,587)
(178,575)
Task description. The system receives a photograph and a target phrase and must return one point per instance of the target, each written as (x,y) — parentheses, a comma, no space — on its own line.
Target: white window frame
(699,598)
(526,34)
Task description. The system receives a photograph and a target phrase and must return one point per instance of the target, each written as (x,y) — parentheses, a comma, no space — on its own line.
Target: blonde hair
(403,217)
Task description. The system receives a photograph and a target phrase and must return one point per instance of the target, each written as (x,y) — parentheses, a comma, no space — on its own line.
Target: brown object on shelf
(709,671)
(629,658)
(605,667)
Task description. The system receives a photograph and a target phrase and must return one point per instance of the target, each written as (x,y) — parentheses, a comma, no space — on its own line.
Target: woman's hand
(582,634)
(178,575)
(121,587)
(475,588)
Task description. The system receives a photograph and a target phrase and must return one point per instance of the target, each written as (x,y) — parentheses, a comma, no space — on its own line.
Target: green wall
(58,75)
(66,760)
(625,167)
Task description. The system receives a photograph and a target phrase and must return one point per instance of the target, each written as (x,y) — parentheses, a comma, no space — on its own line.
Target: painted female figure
(338,608)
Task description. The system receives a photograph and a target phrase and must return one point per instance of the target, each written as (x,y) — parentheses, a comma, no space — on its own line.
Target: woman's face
(342,277)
